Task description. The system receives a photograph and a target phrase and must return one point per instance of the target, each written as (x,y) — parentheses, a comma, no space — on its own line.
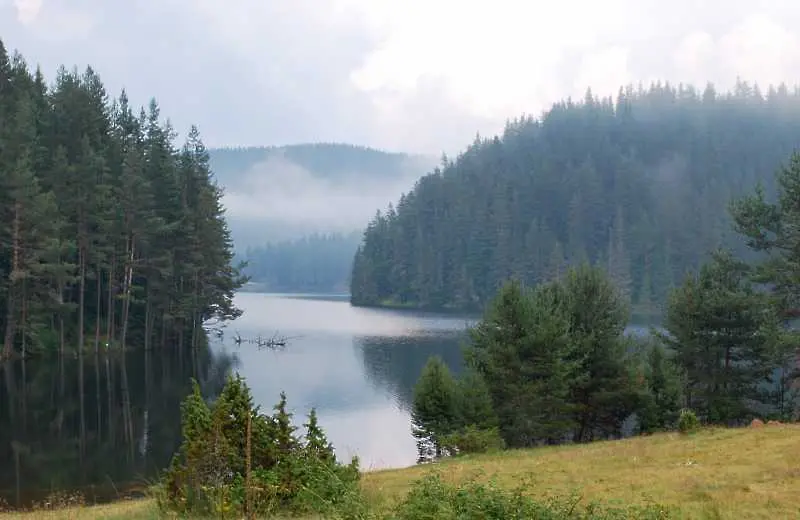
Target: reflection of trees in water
(110,441)
(394,364)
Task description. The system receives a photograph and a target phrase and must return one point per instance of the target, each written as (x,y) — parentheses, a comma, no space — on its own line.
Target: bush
(235,460)
(688,422)
(433,499)
(473,440)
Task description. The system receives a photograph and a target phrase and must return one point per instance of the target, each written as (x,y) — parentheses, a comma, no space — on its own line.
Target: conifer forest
(110,233)
(639,185)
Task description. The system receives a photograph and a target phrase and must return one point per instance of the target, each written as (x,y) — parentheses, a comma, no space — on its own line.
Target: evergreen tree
(721,331)
(434,409)
(475,402)
(110,236)
(664,398)
(602,387)
(519,348)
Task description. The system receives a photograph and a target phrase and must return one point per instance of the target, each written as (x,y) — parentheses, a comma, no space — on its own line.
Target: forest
(110,234)
(639,185)
(317,263)
(552,363)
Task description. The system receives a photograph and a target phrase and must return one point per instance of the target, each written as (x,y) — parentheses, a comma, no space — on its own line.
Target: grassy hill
(739,473)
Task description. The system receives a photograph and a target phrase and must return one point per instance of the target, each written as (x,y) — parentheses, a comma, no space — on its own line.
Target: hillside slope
(723,474)
(640,185)
(737,473)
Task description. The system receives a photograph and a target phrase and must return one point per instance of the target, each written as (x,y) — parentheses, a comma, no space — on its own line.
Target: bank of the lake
(741,473)
(356,366)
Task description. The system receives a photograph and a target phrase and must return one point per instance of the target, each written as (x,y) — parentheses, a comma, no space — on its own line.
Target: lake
(113,430)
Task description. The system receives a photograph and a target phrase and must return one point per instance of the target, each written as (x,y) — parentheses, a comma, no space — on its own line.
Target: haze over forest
(383,82)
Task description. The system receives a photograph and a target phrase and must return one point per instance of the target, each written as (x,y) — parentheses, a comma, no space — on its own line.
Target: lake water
(356,366)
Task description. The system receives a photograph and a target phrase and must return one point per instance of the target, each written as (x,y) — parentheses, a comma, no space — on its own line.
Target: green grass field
(744,473)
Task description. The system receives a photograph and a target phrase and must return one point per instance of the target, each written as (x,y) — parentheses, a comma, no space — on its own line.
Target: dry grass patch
(717,473)
(736,473)
(139,509)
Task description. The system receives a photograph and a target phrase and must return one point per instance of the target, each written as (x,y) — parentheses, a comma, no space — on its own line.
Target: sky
(420,75)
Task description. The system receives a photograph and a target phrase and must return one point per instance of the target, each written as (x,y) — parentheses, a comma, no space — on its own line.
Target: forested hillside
(108,233)
(318,263)
(639,185)
(286,192)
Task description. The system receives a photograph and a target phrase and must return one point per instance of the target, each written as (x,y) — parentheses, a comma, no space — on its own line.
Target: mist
(278,199)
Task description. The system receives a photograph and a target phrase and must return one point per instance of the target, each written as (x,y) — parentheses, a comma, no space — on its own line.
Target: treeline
(333,161)
(109,235)
(317,263)
(551,364)
(638,185)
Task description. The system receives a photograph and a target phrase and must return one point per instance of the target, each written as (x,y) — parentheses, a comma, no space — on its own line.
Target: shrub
(433,499)
(688,422)
(473,440)
(235,460)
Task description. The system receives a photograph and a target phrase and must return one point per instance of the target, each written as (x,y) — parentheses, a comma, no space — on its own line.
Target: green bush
(473,440)
(209,474)
(688,422)
(433,499)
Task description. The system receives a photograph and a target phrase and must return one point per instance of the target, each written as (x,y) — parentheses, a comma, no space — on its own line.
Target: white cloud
(27,10)
(419,75)
(496,60)
(761,48)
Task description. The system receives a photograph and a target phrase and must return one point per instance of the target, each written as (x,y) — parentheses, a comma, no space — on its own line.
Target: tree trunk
(110,305)
(110,401)
(81,299)
(97,326)
(128,281)
(16,247)
(148,323)
(81,345)
(98,306)
(8,340)
(24,322)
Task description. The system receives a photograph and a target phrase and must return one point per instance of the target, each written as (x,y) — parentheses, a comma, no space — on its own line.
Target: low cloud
(421,76)
(278,192)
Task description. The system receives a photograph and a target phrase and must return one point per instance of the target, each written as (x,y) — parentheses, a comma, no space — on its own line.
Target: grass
(139,509)
(748,473)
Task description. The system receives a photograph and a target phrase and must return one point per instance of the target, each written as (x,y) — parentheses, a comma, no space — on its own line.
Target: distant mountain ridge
(280,193)
(328,160)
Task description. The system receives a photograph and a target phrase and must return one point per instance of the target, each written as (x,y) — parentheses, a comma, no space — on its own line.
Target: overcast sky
(415,75)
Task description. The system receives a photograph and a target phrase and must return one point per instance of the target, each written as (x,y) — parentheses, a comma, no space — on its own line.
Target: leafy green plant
(433,499)
(688,422)
(473,440)
(236,461)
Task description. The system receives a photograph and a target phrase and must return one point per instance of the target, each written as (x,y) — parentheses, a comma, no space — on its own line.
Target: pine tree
(664,392)
(316,443)
(601,384)
(721,330)
(519,349)
(434,410)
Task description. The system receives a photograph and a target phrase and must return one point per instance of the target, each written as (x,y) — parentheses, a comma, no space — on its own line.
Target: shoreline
(733,471)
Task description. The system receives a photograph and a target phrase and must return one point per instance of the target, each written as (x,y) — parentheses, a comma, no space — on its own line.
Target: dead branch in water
(273,342)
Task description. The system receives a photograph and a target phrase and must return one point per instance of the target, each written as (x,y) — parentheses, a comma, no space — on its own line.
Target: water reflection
(393,364)
(357,367)
(102,436)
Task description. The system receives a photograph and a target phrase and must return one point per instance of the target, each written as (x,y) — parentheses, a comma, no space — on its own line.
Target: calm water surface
(119,425)
(355,366)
